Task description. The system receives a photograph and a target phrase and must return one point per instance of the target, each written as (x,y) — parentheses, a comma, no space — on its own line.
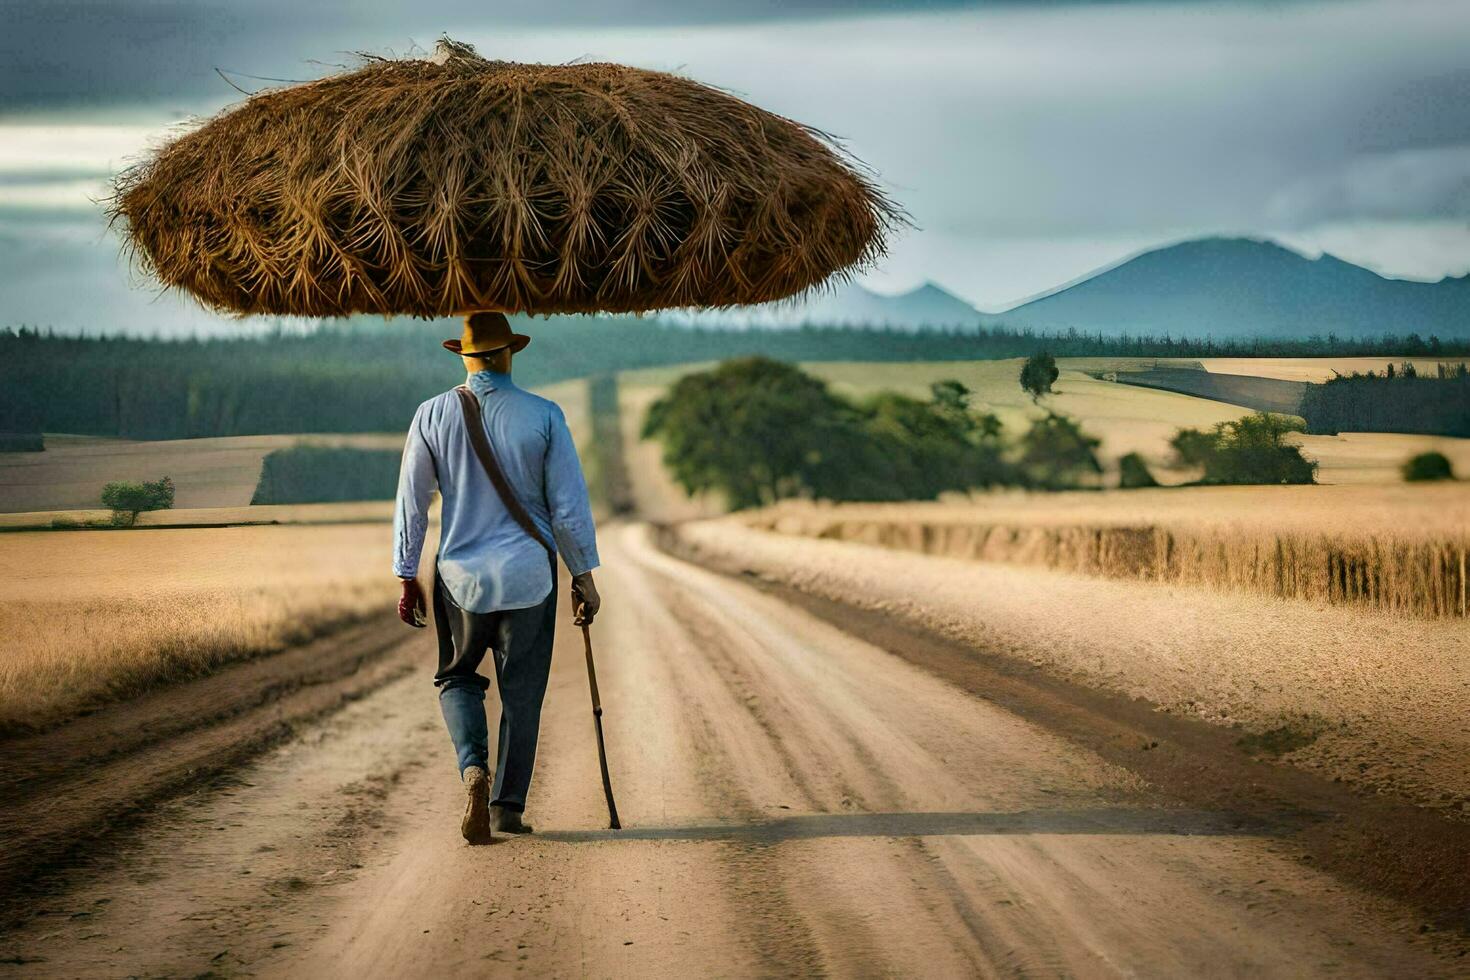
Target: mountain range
(1211,287)
(928,307)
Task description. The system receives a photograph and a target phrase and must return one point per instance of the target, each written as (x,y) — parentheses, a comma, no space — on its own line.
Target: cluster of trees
(368,375)
(1401,399)
(759,430)
(1247,450)
(327,474)
(128,500)
(1424,467)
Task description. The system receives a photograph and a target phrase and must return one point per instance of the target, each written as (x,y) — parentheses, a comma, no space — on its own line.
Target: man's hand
(411,607)
(585,600)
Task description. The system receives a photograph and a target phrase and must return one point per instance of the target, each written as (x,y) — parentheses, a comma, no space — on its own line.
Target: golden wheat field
(1401,549)
(103,615)
(353,512)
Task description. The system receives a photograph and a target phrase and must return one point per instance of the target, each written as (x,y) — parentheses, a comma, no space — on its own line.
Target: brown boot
(476,823)
(508,821)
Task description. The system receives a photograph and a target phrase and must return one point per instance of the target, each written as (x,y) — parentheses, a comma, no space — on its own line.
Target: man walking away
(494,583)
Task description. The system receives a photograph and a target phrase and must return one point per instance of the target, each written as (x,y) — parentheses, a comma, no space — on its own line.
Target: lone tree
(128,500)
(1038,374)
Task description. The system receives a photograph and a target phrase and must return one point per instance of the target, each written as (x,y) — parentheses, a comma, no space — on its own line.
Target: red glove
(411,607)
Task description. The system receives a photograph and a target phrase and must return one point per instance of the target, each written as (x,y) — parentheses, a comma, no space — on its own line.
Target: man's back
(486,561)
(494,583)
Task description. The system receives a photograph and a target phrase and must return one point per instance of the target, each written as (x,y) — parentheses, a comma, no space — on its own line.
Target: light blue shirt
(486,561)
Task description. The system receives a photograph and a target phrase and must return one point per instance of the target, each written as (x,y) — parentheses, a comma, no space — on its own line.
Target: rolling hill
(849,305)
(1212,287)
(1236,287)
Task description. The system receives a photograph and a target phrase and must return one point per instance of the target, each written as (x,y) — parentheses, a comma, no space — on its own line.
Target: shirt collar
(484,382)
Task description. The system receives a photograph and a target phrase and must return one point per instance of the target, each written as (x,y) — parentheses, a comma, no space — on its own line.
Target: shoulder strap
(475,426)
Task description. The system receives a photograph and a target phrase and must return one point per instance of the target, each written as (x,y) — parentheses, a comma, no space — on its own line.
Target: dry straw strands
(432,187)
(1418,573)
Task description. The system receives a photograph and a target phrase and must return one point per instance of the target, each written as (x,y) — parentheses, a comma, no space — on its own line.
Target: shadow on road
(1099,821)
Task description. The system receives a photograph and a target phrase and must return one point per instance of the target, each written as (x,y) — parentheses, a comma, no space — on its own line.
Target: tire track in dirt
(774,927)
(235,870)
(1063,881)
(807,734)
(732,650)
(65,790)
(1394,849)
(974,842)
(739,652)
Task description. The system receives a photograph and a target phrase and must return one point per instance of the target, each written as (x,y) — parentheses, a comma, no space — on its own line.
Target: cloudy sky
(1031,141)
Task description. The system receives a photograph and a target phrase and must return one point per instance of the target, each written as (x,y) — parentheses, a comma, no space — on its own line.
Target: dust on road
(798,802)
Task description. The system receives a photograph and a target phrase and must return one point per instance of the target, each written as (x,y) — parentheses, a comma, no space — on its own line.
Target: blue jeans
(520,642)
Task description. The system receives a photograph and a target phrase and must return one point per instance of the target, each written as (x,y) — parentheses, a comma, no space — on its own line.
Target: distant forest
(369,376)
(1397,401)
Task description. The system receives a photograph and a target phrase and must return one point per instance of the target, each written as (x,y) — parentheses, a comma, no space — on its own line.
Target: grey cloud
(83,52)
(90,53)
(1115,124)
(1413,183)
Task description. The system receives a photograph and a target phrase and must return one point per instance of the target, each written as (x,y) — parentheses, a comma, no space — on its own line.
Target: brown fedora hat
(484,333)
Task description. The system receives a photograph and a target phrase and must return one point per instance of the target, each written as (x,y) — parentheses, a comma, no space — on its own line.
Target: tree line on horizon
(1402,399)
(356,377)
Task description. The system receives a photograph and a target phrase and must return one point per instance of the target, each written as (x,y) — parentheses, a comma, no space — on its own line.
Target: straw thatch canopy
(436,186)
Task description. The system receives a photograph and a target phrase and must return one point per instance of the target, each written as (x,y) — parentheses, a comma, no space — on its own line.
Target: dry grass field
(1399,549)
(223,472)
(99,615)
(1376,457)
(356,512)
(209,473)
(95,616)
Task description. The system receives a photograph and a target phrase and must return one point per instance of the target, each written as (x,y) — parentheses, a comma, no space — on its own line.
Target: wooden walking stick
(612,808)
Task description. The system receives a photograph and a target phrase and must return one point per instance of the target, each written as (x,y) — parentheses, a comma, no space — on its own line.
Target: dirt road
(797,802)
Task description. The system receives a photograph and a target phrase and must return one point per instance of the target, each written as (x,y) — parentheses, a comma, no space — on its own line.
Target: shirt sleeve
(566,499)
(416,484)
